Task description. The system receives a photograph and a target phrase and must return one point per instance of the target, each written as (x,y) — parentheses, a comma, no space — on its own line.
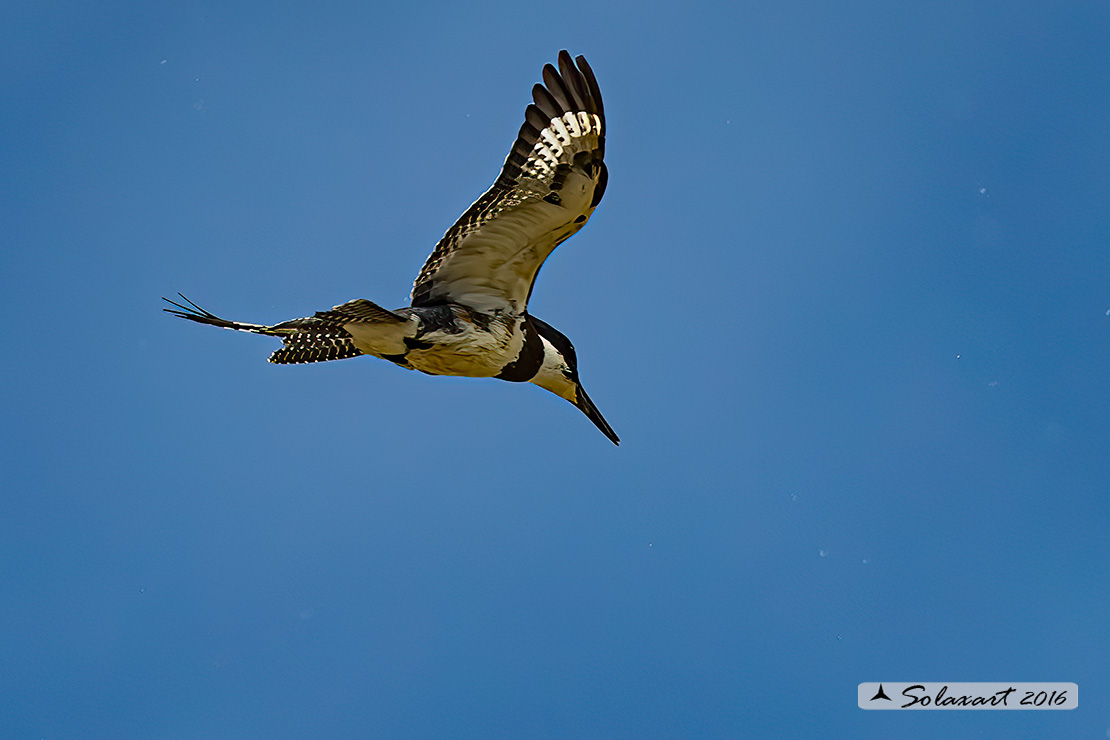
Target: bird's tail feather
(316,338)
(193,312)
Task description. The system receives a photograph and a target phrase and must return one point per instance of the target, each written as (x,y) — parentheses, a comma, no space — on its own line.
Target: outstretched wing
(551,182)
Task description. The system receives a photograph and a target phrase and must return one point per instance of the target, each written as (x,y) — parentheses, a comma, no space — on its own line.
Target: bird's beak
(590,410)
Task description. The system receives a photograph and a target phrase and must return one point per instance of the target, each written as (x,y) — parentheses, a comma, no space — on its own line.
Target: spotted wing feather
(552,179)
(317,343)
(322,336)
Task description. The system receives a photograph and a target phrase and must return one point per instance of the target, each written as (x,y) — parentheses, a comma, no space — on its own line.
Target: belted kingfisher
(469,305)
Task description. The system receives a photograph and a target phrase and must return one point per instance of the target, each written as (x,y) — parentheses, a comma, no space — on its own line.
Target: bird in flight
(469,305)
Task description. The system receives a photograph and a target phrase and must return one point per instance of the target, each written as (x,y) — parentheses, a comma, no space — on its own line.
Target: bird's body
(469,303)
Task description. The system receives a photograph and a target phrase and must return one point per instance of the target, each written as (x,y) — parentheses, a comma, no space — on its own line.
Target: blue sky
(846,302)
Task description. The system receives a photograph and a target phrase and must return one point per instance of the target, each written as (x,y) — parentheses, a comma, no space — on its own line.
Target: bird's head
(559,374)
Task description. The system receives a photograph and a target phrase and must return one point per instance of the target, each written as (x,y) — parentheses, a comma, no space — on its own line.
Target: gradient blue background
(846,302)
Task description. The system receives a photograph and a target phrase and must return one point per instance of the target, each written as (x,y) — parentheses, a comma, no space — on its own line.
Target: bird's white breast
(478,350)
